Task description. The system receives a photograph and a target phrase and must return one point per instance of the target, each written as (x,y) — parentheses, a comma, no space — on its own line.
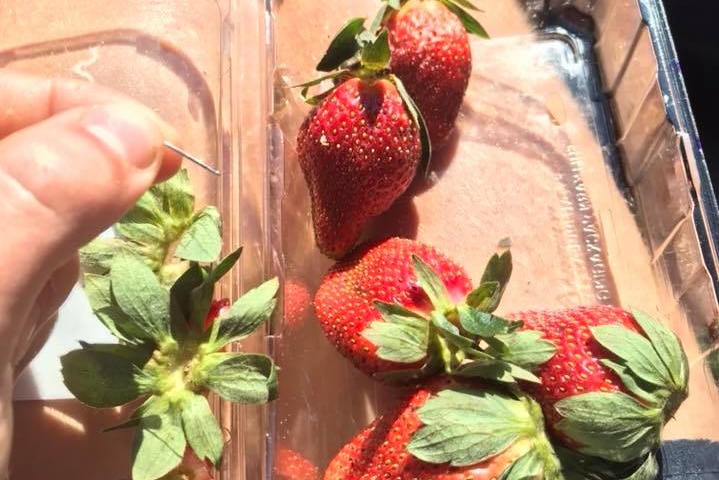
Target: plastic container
(576,141)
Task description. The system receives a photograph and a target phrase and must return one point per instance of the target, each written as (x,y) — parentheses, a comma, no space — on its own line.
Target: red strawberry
(431,55)
(290,465)
(296,300)
(358,150)
(217,307)
(379,271)
(627,356)
(385,449)
(190,468)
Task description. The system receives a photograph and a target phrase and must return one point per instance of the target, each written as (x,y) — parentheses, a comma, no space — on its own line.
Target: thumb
(70,177)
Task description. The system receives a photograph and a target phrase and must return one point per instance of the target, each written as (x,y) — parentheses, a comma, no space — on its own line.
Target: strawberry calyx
(171,336)
(462,339)
(653,368)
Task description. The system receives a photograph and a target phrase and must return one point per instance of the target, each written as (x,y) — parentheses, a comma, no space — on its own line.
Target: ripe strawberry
(431,55)
(380,271)
(358,150)
(217,308)
(391,446)
(290,465)
(632,362)
(190,468)
(296,300)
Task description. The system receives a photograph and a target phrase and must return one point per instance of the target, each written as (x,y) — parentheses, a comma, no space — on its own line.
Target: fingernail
(129,132)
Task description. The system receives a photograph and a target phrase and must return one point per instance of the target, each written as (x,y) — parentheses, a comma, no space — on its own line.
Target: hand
(73,158)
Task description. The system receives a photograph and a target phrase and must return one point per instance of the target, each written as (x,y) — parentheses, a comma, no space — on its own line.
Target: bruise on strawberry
(617,377)
(402,310)
(445,432)
(430,53)
(359,150)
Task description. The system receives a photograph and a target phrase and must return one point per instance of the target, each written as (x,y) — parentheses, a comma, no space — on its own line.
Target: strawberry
(190,468)
(358,150)
(608,362)
(431,55)
(296,297)
(290,465)
(380,271)
(495,435)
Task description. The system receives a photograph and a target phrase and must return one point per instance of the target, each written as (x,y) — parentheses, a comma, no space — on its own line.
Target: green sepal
(418,119)
(226,264)
(495,370)
(613,426)
(576,466)
(494,280)
(138,355)
(100,378)
(524,348)
(181,309)
(431,284)
(527,467)
(159,444)
(394,4)
(463,427)
(643,390)
(483,324)
(245,315)
(466,4)
(139,294)
(98,291)
(375,55)
(667,346)
(202,431)
(314,100)
(380,16)
(343,46)
(175,197)
(401,336)
(202,241)
(470,23)
(241,378)
(96,257)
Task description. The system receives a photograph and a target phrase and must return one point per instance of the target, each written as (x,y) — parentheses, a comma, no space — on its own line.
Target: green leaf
(96,256)
(497,271)
(201,428)
(431,284)
(649,470)
(481,323)
(343,46)
(644,391)
(242,378)
(159,445)
(612,426)
(138,355)
(635,351)
(463,427)
(122,325)
(379,17)
(181,298)
(466,4)
(375,56)
(140,295)
(483,297)
(418,119)
(248,313)
(470,23)
(525,348)
(496,370)
(317,98)
(667,346)
(401,337)
(100,379)
(527,467)
(202,241)
(175,197)
(226,264)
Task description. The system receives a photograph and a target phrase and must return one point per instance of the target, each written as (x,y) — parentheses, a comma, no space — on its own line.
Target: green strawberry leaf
(96,257)
(312,83)
(200,301)
(201,428)
(576,466)
(635,351)
(140,295)
(483,297)
(401,337)
(613,426)
(176,198)
(343,46)
(481,323)
(159,444)
(394,4)
(226,264)
(202,241)
(643,390)
(667,347)
(380,16)
(418,119)
(241,378)
(181,299)
(375,55)
(498,271)
(144,222)
(246,314)
(525,349)
(97,290)
(470,23)
(101,378)
(649,470)
(529,466)
(463,427)
(431,284)
(496,370)
(138,355)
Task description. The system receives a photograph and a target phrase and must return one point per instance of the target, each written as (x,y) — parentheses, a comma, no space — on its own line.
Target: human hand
(73,158)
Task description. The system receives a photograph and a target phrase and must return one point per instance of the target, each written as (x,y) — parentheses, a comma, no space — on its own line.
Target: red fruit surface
(575,368)
(358,150)
(296,300)
(379,451)
(217,307)
(191,468)
(430,53)
(290,465)
(379,271)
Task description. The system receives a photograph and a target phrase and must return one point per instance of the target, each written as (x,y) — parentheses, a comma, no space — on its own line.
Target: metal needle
(191,158)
